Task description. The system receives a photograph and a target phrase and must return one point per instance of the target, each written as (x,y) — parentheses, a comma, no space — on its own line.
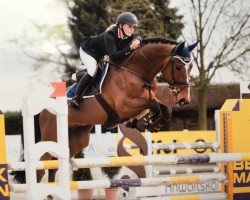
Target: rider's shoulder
(111,30)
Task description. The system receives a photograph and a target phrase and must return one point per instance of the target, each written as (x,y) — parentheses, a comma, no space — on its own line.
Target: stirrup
(71,90)
(76,103)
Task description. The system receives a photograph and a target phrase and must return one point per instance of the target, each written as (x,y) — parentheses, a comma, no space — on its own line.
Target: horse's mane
(158,40)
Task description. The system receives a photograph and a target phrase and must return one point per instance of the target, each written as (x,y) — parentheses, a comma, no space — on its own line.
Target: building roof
(217,95)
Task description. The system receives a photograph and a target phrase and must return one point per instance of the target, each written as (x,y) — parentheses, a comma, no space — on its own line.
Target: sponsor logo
(4,187)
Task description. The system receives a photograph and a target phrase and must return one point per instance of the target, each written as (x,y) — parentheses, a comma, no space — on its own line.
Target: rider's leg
(77,100)
(91,65)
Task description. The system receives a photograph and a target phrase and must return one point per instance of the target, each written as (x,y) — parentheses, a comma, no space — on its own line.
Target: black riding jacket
(107,43)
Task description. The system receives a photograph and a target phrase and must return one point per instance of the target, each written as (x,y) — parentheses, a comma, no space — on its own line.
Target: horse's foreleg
(157,117)
(160,116)
(160,109)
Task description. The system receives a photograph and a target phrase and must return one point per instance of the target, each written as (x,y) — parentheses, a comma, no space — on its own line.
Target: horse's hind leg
(52,173)
(51,178)
(40,173)
(48,131)
(78,138)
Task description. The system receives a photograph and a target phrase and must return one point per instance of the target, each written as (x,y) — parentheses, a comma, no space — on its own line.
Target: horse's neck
(148,61)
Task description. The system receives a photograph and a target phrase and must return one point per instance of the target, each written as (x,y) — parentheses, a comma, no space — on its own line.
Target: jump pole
(143,182)
(139,161)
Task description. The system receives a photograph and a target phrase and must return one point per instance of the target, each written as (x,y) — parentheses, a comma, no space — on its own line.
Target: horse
(129,91)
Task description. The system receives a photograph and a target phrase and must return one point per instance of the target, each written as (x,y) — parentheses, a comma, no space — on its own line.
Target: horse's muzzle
(183,102)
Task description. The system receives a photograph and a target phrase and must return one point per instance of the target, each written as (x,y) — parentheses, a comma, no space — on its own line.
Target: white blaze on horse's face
(186,67)
(181,75)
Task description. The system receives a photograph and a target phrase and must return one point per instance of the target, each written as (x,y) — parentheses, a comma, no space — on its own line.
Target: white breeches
(89,62)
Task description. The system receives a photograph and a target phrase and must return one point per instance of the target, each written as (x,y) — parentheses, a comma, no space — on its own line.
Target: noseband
(172,83)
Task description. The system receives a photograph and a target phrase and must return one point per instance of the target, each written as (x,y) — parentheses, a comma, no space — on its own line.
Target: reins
(149,84)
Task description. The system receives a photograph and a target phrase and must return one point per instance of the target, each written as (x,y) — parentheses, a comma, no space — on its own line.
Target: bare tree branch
(194,12)
(223,29)
(215,22)
(232,40)
(227,63)
(210,13)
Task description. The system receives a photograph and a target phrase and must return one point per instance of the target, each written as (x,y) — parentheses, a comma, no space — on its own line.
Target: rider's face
(128,29)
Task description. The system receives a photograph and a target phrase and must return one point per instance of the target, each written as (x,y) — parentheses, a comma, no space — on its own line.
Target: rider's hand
(135,44)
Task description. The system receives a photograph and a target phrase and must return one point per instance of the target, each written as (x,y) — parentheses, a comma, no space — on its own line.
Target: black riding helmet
(127,18)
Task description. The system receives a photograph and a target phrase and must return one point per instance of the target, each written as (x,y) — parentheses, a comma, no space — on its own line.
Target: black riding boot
(77,101)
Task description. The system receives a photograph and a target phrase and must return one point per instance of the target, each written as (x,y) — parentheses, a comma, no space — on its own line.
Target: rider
(116,42)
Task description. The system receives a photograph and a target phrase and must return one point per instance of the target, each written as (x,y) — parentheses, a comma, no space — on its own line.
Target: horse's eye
(178,67)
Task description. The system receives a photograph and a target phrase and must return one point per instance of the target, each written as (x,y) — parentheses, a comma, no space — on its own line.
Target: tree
(88,17)
(93,17)
(168,16)
(224,32)
(156,17)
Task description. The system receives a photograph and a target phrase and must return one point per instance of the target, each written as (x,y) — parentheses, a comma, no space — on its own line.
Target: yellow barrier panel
(2,140)
(4,187)
(174,137)
(235,136)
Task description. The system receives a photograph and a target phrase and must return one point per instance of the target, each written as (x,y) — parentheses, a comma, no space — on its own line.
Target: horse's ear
(192,46)
(180,47)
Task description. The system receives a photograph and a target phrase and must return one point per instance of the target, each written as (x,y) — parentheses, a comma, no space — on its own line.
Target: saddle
(97,80)
(95,90)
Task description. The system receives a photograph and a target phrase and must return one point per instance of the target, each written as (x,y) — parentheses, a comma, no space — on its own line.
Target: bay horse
(128,90)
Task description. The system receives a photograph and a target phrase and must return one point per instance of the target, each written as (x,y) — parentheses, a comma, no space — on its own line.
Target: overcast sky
(17,77)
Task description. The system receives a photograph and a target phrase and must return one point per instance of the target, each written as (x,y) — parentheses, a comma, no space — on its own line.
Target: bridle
(172,83)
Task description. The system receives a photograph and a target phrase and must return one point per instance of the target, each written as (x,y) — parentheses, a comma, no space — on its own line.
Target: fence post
(33,151)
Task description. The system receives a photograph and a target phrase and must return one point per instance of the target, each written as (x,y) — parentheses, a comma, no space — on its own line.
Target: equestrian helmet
(127,18)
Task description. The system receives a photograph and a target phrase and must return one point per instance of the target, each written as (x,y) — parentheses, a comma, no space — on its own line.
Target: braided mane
(158,40)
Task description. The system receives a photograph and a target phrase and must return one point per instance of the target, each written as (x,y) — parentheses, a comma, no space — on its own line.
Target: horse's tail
(19,176)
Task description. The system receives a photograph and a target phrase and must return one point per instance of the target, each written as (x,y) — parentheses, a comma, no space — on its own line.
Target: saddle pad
(99,79)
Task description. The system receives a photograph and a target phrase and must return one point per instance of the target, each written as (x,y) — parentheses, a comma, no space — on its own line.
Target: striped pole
(188,170)
(211,196)
(164,181)
(141,161)
(160,160)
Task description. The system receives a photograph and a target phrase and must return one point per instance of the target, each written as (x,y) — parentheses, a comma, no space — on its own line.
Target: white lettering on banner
(101,145)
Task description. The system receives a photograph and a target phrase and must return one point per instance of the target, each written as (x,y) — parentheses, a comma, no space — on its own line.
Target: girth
(113,118)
